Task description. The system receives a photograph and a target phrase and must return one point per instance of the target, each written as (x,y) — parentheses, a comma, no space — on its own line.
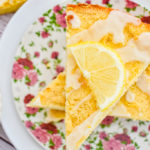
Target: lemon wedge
(8,6)
(103,70)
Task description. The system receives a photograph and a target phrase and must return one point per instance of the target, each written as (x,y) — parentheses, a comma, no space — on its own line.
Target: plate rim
(12,35)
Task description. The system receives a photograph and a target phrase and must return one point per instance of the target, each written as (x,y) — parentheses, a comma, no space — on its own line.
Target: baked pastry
(112,28)
(134,104)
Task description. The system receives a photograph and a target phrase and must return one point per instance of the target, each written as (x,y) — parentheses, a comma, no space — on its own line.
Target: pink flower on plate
(54,55)
(28,98)
(59,69)
(29,124)
(129,147)
(108,120)
(102,135)
(112,144)
(130,4)
(45,61)
(45,34)
(149,128)
(49,127)
(60,19)
(123,138)
(146,19)
(42,20)
(57,9)
(18,72)
(50,44)
(87,147)
(31,110)
(57,141)
(41,135)
(88,1)
(105,1)
(42,83)
(134,128)
(142,134)
(32,78)
(37,54)
(26,63)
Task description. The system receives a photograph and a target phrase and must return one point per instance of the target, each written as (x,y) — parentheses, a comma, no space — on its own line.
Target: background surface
(5,144)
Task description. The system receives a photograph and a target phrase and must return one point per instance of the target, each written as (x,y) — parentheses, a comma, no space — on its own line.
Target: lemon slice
(103,70)
(8,6)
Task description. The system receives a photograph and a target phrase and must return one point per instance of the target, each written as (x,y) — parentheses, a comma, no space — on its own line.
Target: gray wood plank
(2,133)
(4,19)
(5,144)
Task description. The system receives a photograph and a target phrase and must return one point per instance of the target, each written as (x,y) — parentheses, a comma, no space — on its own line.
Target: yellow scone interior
(121,32)
(136,101)
(55,115)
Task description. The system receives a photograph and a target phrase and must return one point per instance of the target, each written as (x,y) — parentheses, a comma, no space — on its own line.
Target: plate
(12,35)
(35,65)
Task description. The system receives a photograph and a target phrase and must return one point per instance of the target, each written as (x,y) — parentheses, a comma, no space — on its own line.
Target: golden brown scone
(82,117)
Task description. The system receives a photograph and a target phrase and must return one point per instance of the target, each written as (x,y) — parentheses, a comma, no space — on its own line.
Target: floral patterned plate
(40,57)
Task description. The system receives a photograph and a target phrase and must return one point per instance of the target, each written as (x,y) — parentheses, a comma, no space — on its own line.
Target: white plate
(11,37)
(9,43)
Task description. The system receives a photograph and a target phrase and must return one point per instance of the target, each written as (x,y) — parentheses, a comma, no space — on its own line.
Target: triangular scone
(135,103)
(9,6)
(52,96)
(120,31)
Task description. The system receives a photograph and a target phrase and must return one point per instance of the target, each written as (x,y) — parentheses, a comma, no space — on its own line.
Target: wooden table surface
(5,144)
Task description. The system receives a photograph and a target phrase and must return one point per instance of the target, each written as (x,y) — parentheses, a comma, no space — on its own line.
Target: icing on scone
(143,83)
(74,20)
(136,49)
(73,77)
(130,97)
(2,1)
(118,21)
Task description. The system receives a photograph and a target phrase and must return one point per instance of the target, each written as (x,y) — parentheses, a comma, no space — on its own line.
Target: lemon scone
(112,28)
(53,96)
(134,104)
(8,6)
